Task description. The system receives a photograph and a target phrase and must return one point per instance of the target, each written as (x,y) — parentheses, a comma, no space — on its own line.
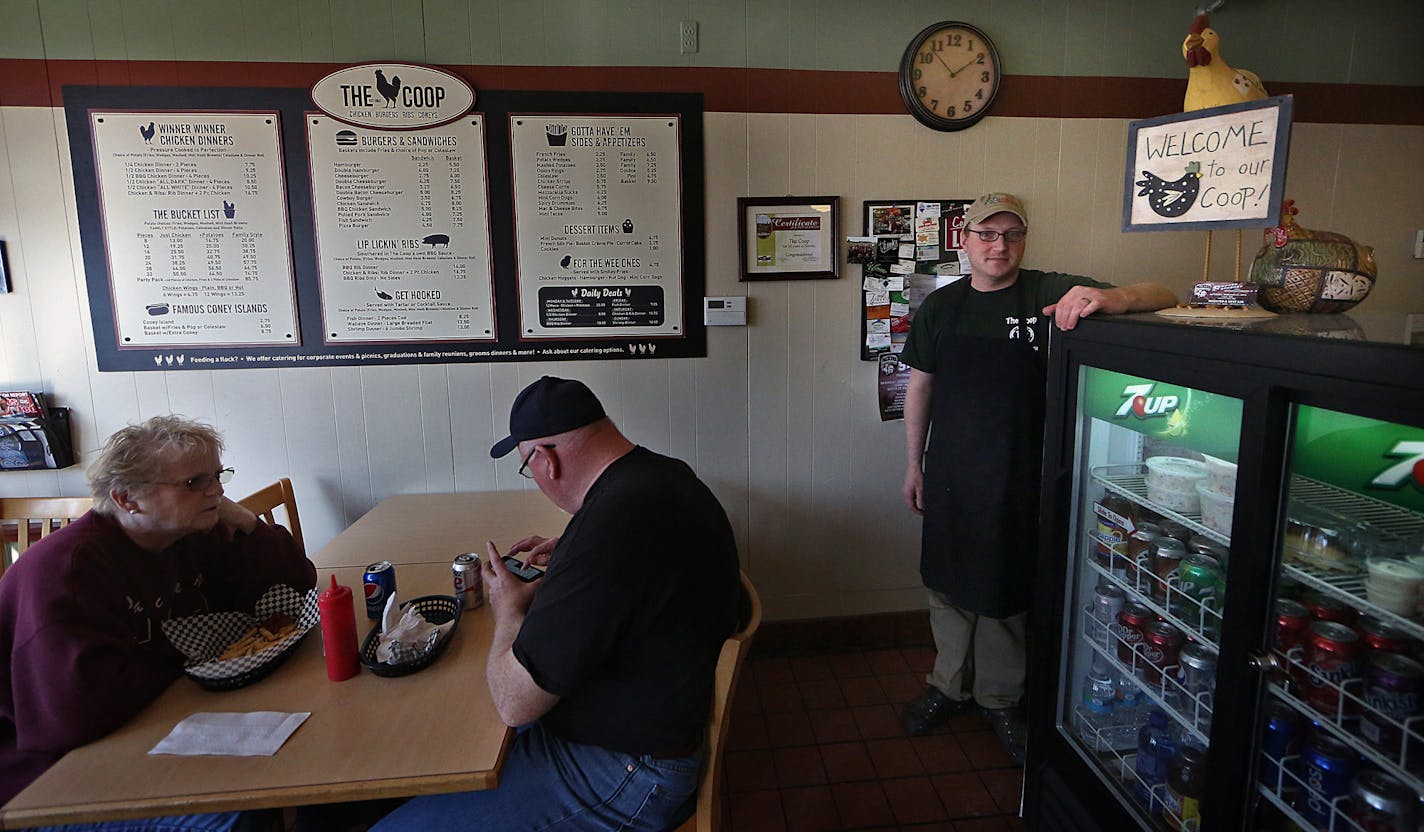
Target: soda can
(1281,740)
(1166,563)
(1379,635)
(1325,608)
(1132,622)
(1202,545)
(1197,668)
(1200,579)
(1393,684)
(1107,603)
(380,584)
(469,583)
(1176,531)
(1141,547)
(1292,623)
(1160,643)
(1332,656)
(1381,802)
(1327,766)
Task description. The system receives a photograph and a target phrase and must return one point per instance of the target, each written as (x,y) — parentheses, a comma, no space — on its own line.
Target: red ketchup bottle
(338,631)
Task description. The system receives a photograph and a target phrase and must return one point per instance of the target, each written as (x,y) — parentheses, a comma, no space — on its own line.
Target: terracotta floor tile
(876,721)
(799,766)
(811,668)
(1014,823)
(757,812)
(823,693)
(901,687)
(984,750)
(862,690)
(811,809)
(940,753)
(789,729)
(747,731)
(862,804)
(967,722)
(845,665)
(835,725)
(913,800)
(994,824)
(964,795)
(772,671)
(748,771)
(894,757)
(847,761)
(886,661)
(746,699)
(780,697)
(919,659)
(1005,785)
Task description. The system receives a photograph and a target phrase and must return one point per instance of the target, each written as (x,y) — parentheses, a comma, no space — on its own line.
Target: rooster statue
(1300,270)
(1210,81)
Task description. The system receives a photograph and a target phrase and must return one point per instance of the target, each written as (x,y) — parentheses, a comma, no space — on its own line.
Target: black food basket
(437,609)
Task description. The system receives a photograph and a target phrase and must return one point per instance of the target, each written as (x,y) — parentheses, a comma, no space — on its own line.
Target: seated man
(608,660)
(80,611)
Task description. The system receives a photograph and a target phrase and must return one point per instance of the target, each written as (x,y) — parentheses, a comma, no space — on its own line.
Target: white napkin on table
(253,734)
(406,637)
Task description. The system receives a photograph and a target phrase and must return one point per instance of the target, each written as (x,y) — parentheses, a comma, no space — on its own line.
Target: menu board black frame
(293,106)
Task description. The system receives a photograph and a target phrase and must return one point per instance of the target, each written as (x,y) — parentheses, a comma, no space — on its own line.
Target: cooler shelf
(1191,711)
(1123,769)
(1129,481)
(1346,729)
(1289,789)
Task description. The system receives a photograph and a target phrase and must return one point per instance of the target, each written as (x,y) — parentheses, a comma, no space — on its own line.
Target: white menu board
(402,232)
(597,216)
(194,211)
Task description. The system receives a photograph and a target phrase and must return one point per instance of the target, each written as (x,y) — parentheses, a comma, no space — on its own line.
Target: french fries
(271,631)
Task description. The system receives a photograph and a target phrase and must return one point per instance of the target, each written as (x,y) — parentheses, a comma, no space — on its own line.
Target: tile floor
(815,744)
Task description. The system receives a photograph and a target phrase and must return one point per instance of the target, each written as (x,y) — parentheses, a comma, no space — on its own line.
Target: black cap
(547,407)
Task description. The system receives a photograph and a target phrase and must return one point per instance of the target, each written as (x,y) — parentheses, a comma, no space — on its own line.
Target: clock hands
(954,72)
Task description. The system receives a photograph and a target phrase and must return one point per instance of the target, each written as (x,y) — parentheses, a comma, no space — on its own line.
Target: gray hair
(138,453)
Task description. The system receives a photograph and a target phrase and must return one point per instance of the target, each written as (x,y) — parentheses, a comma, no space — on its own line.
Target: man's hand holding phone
(522,571)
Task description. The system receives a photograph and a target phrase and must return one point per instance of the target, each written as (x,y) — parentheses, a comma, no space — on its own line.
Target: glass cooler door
(1151,525)
(1342,737)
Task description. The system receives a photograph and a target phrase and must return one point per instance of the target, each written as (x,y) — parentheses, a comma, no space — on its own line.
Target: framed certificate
(788,237)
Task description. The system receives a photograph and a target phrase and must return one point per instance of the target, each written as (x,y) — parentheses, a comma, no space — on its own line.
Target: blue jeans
(550,784)
(213,822)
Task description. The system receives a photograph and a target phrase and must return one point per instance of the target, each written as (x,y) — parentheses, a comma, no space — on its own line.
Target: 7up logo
(1410,467)
(1141,403)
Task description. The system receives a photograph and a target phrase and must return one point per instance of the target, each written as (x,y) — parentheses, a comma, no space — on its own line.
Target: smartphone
(521,570)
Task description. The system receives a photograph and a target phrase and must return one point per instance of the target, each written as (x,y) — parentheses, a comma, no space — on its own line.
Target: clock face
(949,75)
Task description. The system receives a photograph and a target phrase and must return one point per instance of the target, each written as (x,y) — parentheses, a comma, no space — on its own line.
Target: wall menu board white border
(455,300)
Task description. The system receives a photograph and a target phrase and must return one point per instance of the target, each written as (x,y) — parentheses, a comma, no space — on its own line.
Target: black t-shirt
(640,594)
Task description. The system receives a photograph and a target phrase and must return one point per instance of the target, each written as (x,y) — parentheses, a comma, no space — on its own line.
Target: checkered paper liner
(202,638)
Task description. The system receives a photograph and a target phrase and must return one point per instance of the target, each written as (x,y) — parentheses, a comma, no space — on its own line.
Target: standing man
(607,661)
(977,378)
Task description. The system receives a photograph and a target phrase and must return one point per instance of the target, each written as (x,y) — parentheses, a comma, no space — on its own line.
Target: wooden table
(428,528)
(367,737)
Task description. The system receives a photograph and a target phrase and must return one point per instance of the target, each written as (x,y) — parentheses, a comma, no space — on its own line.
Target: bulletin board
(227,228)
(909,248)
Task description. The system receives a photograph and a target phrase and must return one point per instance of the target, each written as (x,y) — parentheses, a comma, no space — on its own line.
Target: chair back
(33,518)
(264,503)
(708,817)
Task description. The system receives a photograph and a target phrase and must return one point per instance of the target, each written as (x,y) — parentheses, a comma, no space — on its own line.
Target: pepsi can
(380,584)
(1280,741)
(1328,767)
(469,584)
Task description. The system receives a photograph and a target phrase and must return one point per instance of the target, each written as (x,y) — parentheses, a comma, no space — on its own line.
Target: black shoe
(929,709)
(1011,729)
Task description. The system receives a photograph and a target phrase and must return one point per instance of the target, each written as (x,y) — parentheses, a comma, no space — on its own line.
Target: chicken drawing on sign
(146,132)
(1171,199)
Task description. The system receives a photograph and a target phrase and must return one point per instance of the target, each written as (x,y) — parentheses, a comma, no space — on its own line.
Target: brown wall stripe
(37,83)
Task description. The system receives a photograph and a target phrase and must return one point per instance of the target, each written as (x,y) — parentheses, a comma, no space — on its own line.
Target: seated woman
(80,610)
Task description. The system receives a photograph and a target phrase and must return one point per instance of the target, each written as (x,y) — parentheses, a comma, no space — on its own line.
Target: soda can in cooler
(1132,621)
(469,584)
(380,584)
(1196,671)
(1393,684)
(1166,563)
(1380,635)
(1281,740)
(1141,547)
(1160,643)
(1325,608)
(1292,627)
(1381,802)
(1199,578)
(1327,767)
(1332,657)
(1107,603)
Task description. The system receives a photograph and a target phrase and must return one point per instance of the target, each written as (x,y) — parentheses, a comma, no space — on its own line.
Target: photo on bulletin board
(912,247)
(789,237)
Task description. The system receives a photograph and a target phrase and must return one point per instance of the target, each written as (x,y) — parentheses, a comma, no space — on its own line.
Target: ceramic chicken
(1210,81)
(1302,270)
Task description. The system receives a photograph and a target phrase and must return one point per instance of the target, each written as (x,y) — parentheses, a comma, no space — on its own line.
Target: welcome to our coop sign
(1219,168)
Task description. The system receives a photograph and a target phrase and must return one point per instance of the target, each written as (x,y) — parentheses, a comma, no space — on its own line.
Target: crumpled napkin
(254,734)
(406,637)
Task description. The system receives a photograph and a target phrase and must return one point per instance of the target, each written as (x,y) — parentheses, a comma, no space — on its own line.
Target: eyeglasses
(199,483)
(524,468)
(989,235)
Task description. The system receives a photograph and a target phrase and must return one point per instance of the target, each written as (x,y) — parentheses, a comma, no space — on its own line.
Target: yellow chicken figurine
(1210,82)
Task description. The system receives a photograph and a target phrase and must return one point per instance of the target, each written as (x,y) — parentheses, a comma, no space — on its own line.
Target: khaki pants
(991,652)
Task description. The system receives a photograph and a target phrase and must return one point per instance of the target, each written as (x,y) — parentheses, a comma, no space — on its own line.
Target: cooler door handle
(1267,661)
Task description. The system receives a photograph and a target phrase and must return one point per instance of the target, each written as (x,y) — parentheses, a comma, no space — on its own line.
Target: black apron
(982,466)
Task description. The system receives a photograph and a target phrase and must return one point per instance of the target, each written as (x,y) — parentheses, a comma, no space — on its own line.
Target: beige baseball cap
(988,205)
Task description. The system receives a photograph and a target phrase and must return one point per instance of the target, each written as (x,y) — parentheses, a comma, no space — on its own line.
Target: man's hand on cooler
(1077,303)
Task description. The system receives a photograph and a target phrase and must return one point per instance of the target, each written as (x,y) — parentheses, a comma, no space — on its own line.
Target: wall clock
(950,75)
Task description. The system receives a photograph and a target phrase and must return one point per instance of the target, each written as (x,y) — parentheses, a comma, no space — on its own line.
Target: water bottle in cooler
(1156,746)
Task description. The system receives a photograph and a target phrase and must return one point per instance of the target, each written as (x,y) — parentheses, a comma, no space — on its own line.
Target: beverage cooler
(1227,630)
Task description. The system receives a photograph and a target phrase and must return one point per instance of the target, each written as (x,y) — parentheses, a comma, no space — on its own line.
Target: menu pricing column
(194,214)
(598,225)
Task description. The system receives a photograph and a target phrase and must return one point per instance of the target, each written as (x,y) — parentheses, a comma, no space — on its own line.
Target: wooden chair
(708,817)
(264,502)
(33,518)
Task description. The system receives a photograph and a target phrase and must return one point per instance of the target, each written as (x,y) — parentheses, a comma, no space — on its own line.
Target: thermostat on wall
(724,311)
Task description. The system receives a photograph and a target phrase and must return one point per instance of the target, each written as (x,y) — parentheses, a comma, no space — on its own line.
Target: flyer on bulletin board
(908,249)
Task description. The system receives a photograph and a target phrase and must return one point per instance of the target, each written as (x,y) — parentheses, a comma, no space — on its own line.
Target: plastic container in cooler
(1393,585)
(1220,476)
(1216,508)
(1174,473)
(1182,502)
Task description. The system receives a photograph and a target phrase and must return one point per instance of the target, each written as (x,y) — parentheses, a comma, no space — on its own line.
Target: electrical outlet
(1419,245)
(688,37)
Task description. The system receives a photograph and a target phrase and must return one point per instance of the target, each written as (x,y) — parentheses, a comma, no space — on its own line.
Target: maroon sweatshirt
(80,615)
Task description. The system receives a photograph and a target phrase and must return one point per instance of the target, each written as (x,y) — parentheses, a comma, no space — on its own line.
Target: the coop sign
(393,96)
(1219,168)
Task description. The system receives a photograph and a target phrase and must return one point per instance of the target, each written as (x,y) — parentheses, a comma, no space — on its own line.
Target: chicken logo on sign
(393,96)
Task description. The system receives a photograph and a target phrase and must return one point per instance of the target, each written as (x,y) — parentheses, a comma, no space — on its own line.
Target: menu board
(194,213)
(597,215)
(402,232)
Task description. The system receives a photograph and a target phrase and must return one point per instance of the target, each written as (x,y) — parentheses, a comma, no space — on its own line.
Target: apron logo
(1016,332)
(1400,473)
(1140,402)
